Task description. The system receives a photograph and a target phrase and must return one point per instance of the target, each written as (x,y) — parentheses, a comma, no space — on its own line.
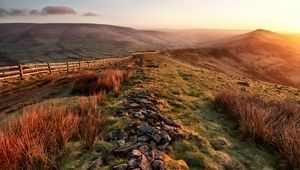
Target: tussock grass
(31,140)
(39,136)
(107,81)
(274,123)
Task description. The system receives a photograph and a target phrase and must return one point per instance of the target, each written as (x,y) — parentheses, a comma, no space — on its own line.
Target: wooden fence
(23,70)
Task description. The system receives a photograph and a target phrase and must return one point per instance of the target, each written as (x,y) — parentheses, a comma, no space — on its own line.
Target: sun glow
(276,15)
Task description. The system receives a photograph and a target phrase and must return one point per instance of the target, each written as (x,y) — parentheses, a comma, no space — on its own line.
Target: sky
(275,15)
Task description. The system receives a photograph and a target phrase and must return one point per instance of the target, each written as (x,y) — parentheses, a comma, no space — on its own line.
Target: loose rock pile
(143,144)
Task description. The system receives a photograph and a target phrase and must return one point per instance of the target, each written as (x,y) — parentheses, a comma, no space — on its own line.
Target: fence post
(37,70)
(88,63)
(79,65)
(49,68)
(21,71)
(67,66)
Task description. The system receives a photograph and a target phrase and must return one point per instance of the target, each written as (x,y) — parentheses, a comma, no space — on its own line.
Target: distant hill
(260,54)
(21,43)
(59,42)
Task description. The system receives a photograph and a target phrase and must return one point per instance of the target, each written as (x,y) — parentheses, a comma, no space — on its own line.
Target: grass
(274,123)
(187,93)
(39,136)
(33,139)
(108,80)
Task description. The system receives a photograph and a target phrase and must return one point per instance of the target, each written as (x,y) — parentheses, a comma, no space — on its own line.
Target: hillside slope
(60,42)
(208,139)
(260,54)
(21,43)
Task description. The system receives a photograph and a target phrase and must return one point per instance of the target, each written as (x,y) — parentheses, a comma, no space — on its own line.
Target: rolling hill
(261,54)
(21,43)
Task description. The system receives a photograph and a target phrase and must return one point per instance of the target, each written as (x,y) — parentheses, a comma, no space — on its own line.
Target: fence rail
(22,70)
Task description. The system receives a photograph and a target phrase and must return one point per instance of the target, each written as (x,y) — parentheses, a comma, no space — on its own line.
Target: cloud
(34,12)
(3,12)
(13,12)
(90,14)
(57,10)
(48,10)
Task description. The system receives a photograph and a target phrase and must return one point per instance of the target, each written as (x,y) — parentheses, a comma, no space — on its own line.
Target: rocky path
(144,143)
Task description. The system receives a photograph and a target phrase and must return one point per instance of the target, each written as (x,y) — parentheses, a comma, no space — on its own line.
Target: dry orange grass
(31,140)
(91,119)
(107,81)
(275,124)
(35,139)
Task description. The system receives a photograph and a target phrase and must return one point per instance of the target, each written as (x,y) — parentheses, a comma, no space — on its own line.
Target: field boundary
(22,70)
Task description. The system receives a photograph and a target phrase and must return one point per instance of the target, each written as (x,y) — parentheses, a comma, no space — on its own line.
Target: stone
(167,120)
(158,165)
(133,128)
(155,136)
(120,167)
(117,134)
(145,164)
(146,128)
(134,139)
(136,153)
(163,146)
(144,138)
(157,154)
(165,136)
(127,149)
(143,95)
(139,115)
(96,164)
(152,115)
(133,163)
(170,128)
(144,148)
(134,105)
(150,121)
(152,143)
(150,156)
(121,143)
